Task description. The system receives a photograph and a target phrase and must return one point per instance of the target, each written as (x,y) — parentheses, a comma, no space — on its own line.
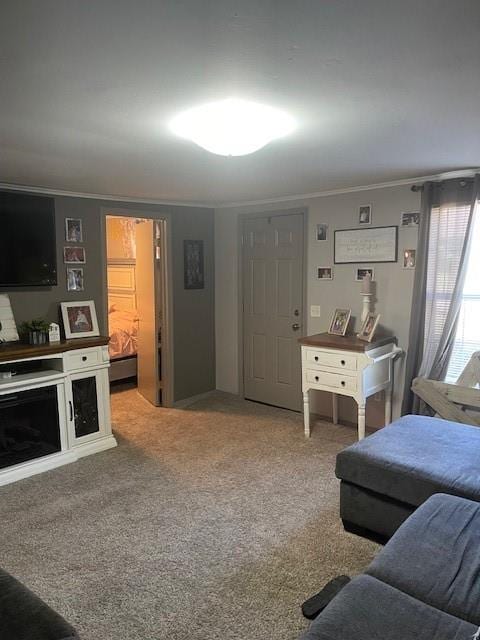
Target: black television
(28,254)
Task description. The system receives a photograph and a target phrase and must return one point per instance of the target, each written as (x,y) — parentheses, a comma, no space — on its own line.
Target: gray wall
(193,311)
(394,284)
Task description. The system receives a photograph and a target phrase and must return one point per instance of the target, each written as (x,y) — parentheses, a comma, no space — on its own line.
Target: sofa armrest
(23,616)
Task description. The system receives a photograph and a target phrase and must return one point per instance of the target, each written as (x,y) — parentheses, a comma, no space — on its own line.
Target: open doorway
(137,304)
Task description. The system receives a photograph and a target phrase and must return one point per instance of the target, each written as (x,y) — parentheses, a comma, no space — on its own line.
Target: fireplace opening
(29,425)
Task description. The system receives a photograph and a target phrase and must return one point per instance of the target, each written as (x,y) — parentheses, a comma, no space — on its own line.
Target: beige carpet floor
(212,522)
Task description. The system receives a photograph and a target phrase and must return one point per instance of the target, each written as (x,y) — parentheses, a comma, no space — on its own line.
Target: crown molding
(98,196)
(462,173)
(465,173)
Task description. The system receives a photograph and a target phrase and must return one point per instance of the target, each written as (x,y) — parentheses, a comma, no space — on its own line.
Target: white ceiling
(382,90)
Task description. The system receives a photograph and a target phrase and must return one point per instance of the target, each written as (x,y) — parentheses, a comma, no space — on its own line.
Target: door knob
(295,326)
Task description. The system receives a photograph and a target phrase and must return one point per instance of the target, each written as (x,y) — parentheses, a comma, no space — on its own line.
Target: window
(467,338)
(448,227)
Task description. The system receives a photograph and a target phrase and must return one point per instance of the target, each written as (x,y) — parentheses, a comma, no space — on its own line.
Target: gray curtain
(442,257)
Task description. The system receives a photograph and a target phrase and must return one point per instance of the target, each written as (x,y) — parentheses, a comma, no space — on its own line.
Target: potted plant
(35,331)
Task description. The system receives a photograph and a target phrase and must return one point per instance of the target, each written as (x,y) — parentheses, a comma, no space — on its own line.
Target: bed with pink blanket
(123,330)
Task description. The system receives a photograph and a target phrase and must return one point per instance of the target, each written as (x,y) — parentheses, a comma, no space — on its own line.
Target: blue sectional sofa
(424,585)
(23,616)
(385,477)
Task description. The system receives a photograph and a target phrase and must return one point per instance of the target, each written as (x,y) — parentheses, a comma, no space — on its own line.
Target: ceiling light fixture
(232,127)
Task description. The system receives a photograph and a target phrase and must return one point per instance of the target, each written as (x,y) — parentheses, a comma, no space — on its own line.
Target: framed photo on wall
(74,279)
(322,232)
(74,255)
(193,264)
(325,273)
(79,319)
(363,273)
(73,230)
(410,219)
(365,214)
(409,258)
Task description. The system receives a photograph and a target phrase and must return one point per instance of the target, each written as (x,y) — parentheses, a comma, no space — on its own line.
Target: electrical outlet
(315,311)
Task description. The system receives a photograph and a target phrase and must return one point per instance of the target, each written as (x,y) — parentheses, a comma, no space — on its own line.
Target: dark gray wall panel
(193,311)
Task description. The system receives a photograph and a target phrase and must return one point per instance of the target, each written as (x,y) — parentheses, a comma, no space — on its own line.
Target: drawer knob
(342,362)
(316,378)
(343,383)
(316,358)
(84,358)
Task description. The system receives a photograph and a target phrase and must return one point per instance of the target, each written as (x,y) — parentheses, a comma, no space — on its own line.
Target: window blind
(467,338)
(448,226)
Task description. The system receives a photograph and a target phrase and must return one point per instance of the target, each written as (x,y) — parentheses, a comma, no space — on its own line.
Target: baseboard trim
(341,421)
(38,465)
(102,444)
(186,402)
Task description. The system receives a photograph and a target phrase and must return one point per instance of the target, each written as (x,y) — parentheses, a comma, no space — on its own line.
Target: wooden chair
(451,401)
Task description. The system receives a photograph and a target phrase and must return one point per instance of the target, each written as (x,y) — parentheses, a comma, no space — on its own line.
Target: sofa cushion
(23,616)
(435,556)
(368,608)
(414,458)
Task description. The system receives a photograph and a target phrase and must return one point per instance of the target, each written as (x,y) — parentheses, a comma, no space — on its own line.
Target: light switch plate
(315,311)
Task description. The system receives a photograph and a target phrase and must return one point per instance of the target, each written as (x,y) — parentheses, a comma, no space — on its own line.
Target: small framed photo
(74,255)
(365,214)
(322,231)
(409,258)
(325,273)
(369,327)
(193,265)
(362,273)
(74,279)
(339,323)
(79,319)
(73,230)
(409,219)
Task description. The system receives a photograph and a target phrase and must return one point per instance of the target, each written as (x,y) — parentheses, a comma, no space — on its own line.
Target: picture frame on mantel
(361,246)
(79,319)
(339,322)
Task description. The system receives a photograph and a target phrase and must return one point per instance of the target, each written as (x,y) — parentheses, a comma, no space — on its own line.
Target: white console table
(74,375)
(345,365)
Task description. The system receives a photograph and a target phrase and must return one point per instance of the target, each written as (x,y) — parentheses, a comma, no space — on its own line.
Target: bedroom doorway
(137,287)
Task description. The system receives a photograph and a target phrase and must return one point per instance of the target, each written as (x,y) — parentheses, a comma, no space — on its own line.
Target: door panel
(258,276)
(273,303)
(258,357)
(284,360)
(283,288)
(148,313)
(86,410)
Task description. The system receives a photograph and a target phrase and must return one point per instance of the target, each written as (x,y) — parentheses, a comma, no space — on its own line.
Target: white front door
(273,309)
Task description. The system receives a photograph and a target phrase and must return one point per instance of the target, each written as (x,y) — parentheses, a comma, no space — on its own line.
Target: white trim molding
(99,196)
(461,173)
(466,173)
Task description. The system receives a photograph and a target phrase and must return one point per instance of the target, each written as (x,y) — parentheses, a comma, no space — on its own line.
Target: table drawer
(82,359)
(333,380)
(335,360)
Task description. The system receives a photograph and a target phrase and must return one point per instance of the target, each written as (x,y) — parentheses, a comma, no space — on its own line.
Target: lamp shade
(232,127)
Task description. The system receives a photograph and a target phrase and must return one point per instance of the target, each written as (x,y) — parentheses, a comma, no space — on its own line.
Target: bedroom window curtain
(443,248)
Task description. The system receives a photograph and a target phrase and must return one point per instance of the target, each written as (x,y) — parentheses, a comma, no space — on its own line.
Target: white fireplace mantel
(72,367)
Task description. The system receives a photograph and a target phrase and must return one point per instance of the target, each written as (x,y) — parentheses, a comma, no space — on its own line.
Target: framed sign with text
(376,244)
